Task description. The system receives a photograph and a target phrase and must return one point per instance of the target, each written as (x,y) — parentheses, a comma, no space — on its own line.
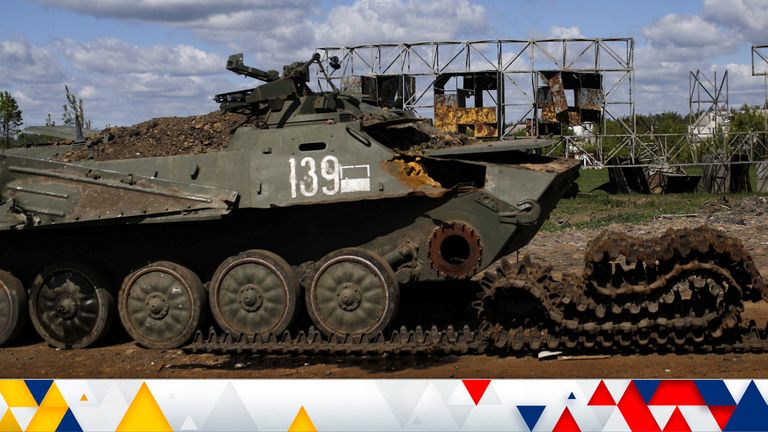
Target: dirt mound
(731,210)
(168,136)
(164,136)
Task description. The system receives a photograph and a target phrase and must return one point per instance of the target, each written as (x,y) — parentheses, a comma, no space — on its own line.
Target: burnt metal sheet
(478,122)
(382,90)
(556,91)
(590,98)
(552,101)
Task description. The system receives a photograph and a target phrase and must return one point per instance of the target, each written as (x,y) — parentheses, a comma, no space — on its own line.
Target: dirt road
(563,250)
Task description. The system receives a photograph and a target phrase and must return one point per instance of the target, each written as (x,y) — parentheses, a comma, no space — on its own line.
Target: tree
(73,111)
(10,117)
(749,119)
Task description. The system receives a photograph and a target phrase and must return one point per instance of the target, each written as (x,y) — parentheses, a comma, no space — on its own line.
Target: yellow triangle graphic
(9,423)
(53,398)
(144,414)
(16,394)
(52,410)
(83,398)
(302,422)
(46,419)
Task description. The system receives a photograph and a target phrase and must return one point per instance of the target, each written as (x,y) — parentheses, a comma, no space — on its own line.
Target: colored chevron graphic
(245,405)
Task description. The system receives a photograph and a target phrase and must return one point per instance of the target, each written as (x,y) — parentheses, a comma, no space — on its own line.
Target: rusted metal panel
(557,91)
(352,84)
(590,98)
(588,101)
(545,103)
(480,122)
(762,177)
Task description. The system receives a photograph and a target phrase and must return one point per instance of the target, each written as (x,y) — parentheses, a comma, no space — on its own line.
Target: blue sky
(133,60)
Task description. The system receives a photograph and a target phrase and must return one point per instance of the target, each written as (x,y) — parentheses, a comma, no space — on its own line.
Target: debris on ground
(754,205)
(169,136)
(163,136)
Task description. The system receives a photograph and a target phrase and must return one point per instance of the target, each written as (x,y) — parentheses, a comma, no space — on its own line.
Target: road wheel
(254,292)
(13,307)
(353,291)
(161,305)
(70,305)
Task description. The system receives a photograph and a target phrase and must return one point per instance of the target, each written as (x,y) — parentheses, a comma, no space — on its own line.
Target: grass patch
(595,210)
(598,209)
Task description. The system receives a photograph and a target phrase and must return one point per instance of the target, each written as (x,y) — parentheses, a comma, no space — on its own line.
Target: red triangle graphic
(677,392)
(601,396)
(476,388)
(722,414)
(635,411)
(566,423)
(677,423)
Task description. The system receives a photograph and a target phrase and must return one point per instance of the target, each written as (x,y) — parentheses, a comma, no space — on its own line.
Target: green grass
(595,210)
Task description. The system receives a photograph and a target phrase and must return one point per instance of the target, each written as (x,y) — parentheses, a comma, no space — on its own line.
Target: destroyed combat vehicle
(309,208)
(317,212)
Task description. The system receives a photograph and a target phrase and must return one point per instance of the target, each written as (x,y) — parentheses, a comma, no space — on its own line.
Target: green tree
(749,119)
(10,118)
(74,111)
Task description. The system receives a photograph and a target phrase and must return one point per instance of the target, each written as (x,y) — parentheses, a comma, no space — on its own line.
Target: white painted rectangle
(355,185)
(355,178)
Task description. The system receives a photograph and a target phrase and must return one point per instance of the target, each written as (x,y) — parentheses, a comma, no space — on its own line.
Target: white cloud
(120,83)
(747,17)
(565,32)
(170,11)
(116,56)
(369,21)
(674,46)
(684,31)
(22,62)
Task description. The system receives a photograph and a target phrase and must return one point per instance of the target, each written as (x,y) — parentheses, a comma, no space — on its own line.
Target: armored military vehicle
(319,210)
(310,208)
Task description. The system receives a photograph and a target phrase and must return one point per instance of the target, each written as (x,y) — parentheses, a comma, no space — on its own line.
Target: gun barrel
(236,65)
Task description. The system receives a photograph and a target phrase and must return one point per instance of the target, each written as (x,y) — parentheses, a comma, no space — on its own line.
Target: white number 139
(306,180)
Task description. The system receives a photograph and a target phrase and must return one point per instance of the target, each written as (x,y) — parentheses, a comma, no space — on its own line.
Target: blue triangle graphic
(531,414)
(751,414)
(38,388)
(646,388)
(571,396)
(715,392)
(69,423)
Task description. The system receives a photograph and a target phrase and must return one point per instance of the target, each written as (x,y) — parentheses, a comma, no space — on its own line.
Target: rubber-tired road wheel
(161,305)
(13,307)
(254,292)
(353,291)
(70,305)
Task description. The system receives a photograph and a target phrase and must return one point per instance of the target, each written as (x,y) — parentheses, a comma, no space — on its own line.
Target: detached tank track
(680,292)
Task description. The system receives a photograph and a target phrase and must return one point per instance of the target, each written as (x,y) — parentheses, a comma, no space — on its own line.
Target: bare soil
(164,136)
(169,136)
(564,250)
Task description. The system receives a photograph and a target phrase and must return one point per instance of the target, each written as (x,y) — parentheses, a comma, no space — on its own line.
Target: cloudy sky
(136,59)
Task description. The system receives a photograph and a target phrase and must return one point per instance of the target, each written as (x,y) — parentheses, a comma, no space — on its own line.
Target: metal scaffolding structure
(760,68)
(708,109)
(516,64)
(422,73)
